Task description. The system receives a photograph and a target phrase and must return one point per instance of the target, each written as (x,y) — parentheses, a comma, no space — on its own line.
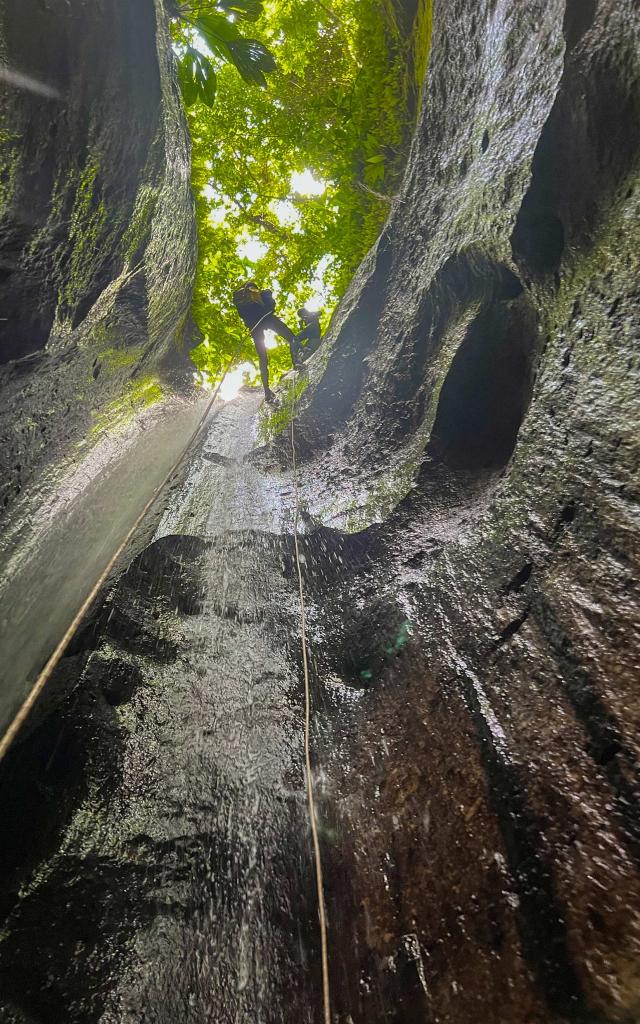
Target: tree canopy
(292,181)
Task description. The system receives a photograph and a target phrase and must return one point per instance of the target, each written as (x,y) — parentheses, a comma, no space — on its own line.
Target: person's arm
(303,335)
(268,300)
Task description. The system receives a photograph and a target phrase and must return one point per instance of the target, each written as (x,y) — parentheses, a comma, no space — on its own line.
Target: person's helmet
(307,315)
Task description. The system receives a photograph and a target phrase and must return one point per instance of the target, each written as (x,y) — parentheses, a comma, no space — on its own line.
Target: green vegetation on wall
(137,395)
(293,181)
(274,420)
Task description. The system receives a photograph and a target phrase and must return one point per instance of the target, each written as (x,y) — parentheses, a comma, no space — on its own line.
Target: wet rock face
(69,766)
(481,393)
(467,461)
(154,810)
(97,241)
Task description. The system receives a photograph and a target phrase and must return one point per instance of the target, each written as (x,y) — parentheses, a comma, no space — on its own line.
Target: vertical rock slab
(478,404)
(97,236)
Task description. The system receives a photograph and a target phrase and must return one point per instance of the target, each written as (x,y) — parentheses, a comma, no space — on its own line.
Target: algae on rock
(97,235)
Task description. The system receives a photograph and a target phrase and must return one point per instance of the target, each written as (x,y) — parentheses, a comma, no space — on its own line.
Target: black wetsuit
(260,317)
(311,335)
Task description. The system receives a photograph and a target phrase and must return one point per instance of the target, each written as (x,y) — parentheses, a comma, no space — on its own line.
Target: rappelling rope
(322,913)
(52,663)
(50,666)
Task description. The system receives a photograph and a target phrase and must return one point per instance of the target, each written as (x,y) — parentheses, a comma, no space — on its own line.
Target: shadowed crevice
(587,148)
(487,389)
(539,915)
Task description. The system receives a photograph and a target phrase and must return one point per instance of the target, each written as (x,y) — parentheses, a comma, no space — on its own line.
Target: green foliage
(336,106)
(275,420)
(197,77)
(214,25)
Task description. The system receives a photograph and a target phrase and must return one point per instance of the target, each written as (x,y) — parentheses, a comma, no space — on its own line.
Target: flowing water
(189,880)
(156,858)
(213,778)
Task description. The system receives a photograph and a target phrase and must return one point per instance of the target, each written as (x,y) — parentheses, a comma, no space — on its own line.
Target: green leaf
(216,28)
(208,88)
(188,84)
(379,158)
(197,78)
(252,59)
(247,10)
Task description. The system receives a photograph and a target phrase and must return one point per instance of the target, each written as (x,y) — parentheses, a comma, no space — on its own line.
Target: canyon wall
(97,232)
(472,426)
(467,473)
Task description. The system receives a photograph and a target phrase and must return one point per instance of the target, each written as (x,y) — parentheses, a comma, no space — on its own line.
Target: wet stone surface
(468,470)
(97,229)
(178,888)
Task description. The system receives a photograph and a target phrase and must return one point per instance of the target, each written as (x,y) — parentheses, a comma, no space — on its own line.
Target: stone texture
(155,808)
(97,236)
(468,455)
(481,395)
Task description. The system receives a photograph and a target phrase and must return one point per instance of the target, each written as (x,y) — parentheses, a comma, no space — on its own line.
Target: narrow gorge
(465,495)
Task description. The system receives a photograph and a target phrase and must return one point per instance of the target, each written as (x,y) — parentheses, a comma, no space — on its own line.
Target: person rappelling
(256,309)
(309,337)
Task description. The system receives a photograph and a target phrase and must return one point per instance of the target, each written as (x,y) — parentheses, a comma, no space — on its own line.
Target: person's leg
(257,335)
(297,353)
(312,345)
(278,326)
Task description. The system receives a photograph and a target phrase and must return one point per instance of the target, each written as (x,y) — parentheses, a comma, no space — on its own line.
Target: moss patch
(138,395)
(139,228)
(88,221)
(421,45)
(271,424)
(114,359)
(10,162)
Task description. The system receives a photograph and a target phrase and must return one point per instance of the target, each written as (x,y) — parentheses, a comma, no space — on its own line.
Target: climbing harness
(322,913)
(49,668)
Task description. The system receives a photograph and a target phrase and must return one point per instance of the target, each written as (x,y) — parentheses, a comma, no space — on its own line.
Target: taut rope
(322,912)
(58,653)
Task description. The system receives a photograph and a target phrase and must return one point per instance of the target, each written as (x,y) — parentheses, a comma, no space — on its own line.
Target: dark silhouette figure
(256,309)
(309,337)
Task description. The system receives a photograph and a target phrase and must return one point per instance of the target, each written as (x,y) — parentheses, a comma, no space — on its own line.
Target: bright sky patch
(304,183)
(286,213)
(251,249)
(234,381)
